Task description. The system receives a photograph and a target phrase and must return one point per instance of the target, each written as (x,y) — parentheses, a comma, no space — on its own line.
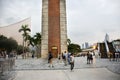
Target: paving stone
(80,62)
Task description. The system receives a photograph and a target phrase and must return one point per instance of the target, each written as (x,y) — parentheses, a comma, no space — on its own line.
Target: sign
(54,47)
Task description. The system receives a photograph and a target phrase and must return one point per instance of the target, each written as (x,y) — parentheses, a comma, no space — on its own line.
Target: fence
(7,71)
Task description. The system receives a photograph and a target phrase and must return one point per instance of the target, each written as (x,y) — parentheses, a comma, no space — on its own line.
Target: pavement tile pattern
(80,63)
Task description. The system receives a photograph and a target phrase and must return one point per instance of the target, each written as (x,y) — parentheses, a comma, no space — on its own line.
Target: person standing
(59,57)
(91,57)
(116,56)
(88,58)
(110,56)
(50,57)
(72,60)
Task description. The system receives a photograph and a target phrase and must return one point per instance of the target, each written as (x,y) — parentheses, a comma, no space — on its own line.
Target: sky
(87,20)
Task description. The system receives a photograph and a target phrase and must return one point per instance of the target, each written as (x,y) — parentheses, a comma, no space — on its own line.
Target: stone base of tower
(44,50)
(44,54)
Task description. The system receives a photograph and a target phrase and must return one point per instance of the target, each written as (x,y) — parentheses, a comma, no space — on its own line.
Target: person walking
(88,58)
(59,57)
(116,56)
(65,58)
(68,57)
(72,60)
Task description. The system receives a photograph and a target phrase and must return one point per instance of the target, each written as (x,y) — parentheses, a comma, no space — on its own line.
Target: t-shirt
(72,58)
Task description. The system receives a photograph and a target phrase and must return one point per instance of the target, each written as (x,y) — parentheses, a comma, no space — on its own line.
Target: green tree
(31,41)
(37,43)
(25,30)
(68,41)
(37,39)
(19,49)
(8,44)
(2,37)
(74,48)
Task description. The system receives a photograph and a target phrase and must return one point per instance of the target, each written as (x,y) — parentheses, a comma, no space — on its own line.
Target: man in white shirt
(65,58)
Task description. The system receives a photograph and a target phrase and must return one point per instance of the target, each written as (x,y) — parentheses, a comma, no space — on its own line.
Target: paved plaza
(37,69)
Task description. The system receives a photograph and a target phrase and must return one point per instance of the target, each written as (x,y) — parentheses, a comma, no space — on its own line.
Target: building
(85,45)
(82,46)
(107,37)
(116,45)
(54,27)
(12,31)
(103,50)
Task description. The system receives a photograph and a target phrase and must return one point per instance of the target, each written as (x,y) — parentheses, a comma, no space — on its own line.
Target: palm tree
(68,41)
(25,30)
(37,43)
(31,40)
(37,38)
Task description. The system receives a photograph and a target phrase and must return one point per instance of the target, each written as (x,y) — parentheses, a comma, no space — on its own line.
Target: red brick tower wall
(54,26)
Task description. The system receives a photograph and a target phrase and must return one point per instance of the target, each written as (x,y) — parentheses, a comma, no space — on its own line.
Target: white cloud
(16,10)
(87,20)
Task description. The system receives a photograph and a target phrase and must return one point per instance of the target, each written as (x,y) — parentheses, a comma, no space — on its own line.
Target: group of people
(3,54)
(114,56)
(90,57)
(67,58)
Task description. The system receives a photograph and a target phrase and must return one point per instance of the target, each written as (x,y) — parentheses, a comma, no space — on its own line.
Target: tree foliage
(8,44)
(35,41)
(68,41)
(24,29)
(74,48)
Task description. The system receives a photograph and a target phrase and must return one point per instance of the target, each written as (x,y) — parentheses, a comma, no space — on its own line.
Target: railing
(7,71)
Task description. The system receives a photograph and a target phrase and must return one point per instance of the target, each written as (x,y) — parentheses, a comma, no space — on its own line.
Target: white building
(12,31)
(85,45)
(116,45)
